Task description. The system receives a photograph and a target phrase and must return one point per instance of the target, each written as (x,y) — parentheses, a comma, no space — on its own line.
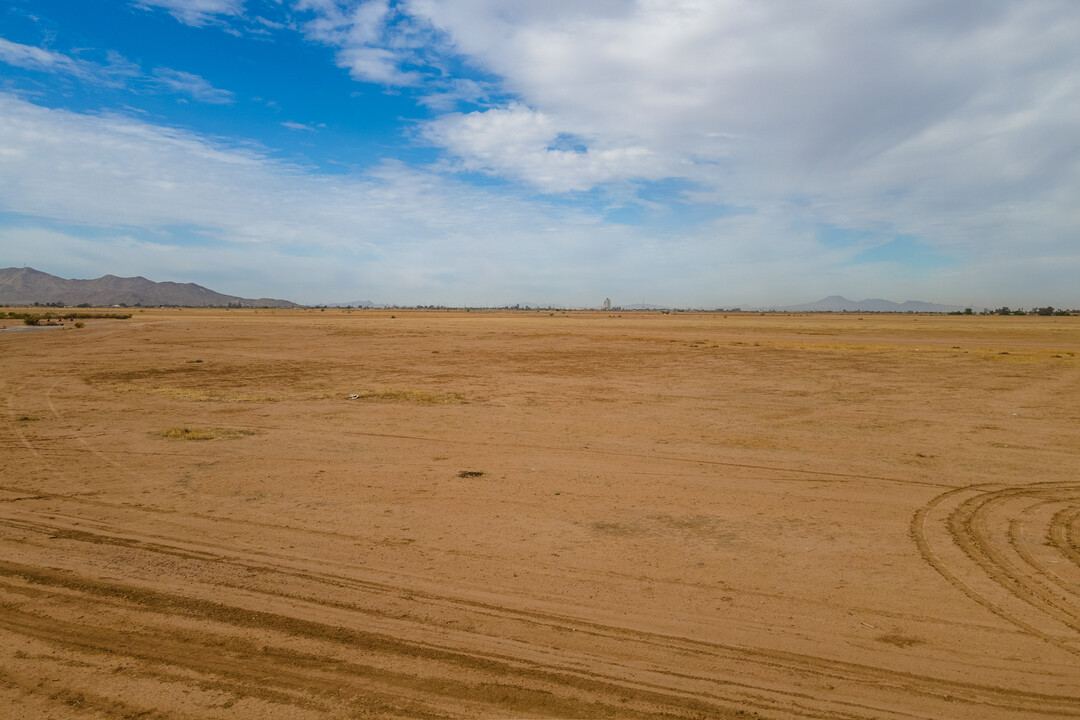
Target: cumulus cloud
(944,121)
(373,40)
(149,192)
(168,204)
(527,145)
(446,95)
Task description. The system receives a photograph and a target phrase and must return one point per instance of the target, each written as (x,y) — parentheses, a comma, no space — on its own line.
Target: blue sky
(704,154)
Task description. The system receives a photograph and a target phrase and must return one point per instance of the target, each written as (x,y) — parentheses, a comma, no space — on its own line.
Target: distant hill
(26,286)
(836,303)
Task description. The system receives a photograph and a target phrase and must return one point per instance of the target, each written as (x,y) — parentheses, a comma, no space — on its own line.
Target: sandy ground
(582,515)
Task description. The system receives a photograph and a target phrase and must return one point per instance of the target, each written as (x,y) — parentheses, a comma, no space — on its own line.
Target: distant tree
(1044,311)
(1003,310)
(969,311)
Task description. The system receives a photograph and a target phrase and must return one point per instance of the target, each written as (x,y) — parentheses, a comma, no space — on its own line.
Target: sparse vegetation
(14,315)
(184,433)
(900,641)
(199,394)
(416,397)
(48,318)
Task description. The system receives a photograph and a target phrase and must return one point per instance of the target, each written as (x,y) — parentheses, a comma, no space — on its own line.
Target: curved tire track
(523,659)
(1012,550)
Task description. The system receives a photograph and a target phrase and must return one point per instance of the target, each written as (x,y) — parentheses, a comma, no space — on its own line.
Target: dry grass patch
(415,397)
(1024,356)
(900,641)
(199,394)
(184,433)
(203,381)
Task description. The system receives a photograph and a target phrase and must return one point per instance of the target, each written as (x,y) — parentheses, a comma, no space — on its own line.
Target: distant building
(607,303)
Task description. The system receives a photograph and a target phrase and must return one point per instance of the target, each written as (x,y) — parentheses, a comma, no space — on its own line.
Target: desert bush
(39,318)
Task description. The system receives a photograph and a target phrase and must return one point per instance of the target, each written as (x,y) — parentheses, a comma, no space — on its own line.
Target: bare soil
(549,515)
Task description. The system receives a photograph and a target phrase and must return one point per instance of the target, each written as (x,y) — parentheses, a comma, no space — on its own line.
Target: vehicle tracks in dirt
(1013,550)
(517,651)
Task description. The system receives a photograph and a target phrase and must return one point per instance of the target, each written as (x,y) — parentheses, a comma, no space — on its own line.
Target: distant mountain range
(26,286)
(836,303)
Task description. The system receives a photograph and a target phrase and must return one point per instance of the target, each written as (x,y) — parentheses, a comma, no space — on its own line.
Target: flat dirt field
(540,515)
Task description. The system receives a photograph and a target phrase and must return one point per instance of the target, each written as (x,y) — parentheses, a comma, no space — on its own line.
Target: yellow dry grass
(186,433)
(198,394)
(407,395)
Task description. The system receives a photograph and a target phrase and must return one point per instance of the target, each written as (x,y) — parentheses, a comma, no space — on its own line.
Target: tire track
(801,472)
(518,685)
(409,635)
(976,538)
(384,592)
(208,601)
(1065,533)
(9,398)
(974,530)
(1064,576)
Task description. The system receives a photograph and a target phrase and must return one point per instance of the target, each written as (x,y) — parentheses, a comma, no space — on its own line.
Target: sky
(719,153)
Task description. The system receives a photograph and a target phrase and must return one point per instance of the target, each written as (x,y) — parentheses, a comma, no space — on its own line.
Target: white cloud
(33,58)
(376,65)
(947,122)
(117,72)
(445,96)
(118,193)
(373,41)
(195,12)
(301,126)
(524,144)
(196,86)
(944,120)
(38,59)
(151,192)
